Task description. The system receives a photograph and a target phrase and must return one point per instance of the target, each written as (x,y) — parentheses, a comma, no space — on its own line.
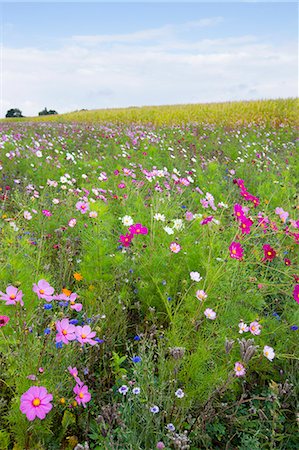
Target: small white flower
(39,154)
(195,276)
(159,217)
(168,230)
(123,389)
(178,224)
(27,215)
(269,353)
(170,427)
(154,409)
(93,214)
(127,221)
(136,391)
(179,393)
(55,201)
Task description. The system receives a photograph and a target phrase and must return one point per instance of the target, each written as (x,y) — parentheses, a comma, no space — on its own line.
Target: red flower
(287,262)
(269,253)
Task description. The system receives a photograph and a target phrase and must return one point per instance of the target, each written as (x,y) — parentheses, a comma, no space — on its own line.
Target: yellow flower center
(238,368)
(238,214)
(253,328)
(234,251)
(64,332)
(81,395)
(266,353)
(41,291)
(83,336)
(36,402)
(12,297)
(72,303)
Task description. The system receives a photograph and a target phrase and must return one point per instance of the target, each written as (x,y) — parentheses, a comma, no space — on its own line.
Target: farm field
(149,280)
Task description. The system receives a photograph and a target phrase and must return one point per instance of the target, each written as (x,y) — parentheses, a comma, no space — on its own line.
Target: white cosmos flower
(168,230)
(269,353)
(195,276)
(127,221)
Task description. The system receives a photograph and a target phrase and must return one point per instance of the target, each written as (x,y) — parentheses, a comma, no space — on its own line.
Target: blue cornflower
(59,344)
(48,306)
(137,338)
(74,321)
(47,330)
(136,359)
(100,341)
(294,328)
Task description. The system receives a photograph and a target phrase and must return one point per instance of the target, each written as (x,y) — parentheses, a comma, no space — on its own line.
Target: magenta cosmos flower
(296,293)
(43,290)
(83,396)
(207,220)
(12,296)
(138,229)
(236,250)
(245,225)
(239,369)
(126,239)
(36,402)
(83,207)
(65,331)
(3,321)
(238,212)
(255,328)
(84,335)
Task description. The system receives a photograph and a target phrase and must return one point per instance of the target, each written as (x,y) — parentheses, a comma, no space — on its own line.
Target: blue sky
(89,55)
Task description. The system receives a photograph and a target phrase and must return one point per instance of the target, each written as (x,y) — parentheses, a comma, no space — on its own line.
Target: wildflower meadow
(149,280)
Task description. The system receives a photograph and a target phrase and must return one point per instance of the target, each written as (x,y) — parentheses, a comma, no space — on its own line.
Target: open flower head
(36,402)
(12,296)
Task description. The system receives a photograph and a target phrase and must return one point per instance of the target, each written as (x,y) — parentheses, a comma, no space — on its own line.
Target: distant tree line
(16,113)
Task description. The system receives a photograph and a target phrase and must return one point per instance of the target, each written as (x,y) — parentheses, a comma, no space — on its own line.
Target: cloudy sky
(73,55)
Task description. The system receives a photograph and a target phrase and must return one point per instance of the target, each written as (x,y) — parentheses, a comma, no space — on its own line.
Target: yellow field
(271,112)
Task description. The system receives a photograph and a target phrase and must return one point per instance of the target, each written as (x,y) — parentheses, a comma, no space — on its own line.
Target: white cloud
(148,67)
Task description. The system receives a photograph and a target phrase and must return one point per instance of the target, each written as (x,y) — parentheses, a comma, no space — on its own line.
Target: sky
(73,55)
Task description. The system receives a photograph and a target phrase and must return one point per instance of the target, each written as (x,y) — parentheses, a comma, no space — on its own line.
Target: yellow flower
(78,276)
(62,400)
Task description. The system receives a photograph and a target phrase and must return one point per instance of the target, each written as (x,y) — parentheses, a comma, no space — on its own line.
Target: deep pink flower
(84,335)
(83,396)
(206,220)
(12,296)
(65,331)
(3,321)
(245,225)
(238,212)
(296,293)
(126,239)
(236,250)
(269,253)
(36,403)
(46,213)
(138,229)
(83,207)
(43,290)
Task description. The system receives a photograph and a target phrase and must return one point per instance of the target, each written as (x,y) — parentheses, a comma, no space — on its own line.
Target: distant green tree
(14,112)
(45,112)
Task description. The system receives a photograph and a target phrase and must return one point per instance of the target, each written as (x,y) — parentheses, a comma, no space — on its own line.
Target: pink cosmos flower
(269,253)
(74,372)
(65,331)
(84,335)
(138,229)
(83,207)
(201,295)
(36,402)
(236,250)
(282,214)
(73,305)
(83,396)
(255,328)
(72,223)
(239,369)
(189,216)
(126,239)
(3,321)
(210,314)
(12,296)
(43,290)
(174,247)
(296,293)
